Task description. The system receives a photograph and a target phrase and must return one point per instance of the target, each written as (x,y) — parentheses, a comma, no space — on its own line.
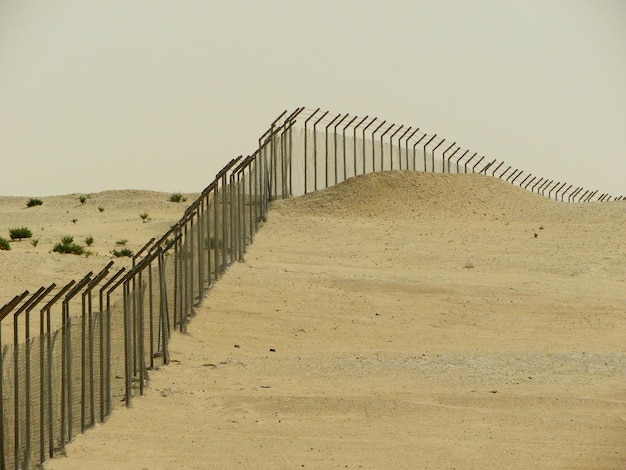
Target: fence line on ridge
(116,324)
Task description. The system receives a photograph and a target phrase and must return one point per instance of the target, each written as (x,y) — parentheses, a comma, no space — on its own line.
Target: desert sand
(397,320)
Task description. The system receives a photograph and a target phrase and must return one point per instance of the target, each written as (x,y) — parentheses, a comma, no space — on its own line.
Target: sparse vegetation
(4,244)
(89,240)
(19,233)
(67,245)
(177,197)
(123,252)
(121,242)
(145,217)
(101,209)
(469,265)
(213,245)
(82,199)
(34,242)
(74,220)
(34,202)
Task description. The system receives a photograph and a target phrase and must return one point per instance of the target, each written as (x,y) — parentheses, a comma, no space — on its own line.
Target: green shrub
(121,242)
(177,197)
(212,243)
(4,244)
(19,233)
(101,209)
(89,240)
(67,245)
(34,242)
(34,202)
(145,217)
(82,199)
(123,252)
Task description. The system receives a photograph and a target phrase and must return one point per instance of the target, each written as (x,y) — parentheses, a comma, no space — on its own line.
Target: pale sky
(160,95)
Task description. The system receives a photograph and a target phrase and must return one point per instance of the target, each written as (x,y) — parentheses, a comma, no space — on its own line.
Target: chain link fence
(80,348)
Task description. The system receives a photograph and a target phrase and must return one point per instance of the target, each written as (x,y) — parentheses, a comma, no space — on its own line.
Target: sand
(398,320)
(111,218)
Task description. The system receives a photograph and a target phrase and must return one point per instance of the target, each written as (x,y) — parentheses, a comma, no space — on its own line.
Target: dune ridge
(440,331)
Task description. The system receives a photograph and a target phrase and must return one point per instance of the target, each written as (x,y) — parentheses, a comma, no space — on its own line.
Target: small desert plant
(4,244)
(89,240)
(121,242)
(34,242)
(123,252)
(469,265)
(67,245)
(82,199)
(145,217)
(74,220)
(101,209)
(177,197)
(213,245)
(19,233)
(34,202)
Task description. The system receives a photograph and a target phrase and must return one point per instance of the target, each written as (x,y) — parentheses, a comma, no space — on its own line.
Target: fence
(115,324)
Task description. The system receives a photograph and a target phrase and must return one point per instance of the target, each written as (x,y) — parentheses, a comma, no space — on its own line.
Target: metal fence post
(406,148)
(374,145)
(343,133)
(467,162)
(363,142)
(450,158)
(326,144)
(306,121)
(443,157)
(459,159)
(408,129)
(335,147)
(382,148)
(315,149)
(424,151)
(4,311)
(16,373)
(354,142)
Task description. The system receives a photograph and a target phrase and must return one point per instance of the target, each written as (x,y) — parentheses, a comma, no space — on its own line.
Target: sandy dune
(397,320)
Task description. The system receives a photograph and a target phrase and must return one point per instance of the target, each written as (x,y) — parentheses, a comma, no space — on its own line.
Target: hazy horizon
(160,95)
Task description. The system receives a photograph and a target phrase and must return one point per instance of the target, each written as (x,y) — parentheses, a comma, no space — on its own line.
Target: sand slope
(399,320)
